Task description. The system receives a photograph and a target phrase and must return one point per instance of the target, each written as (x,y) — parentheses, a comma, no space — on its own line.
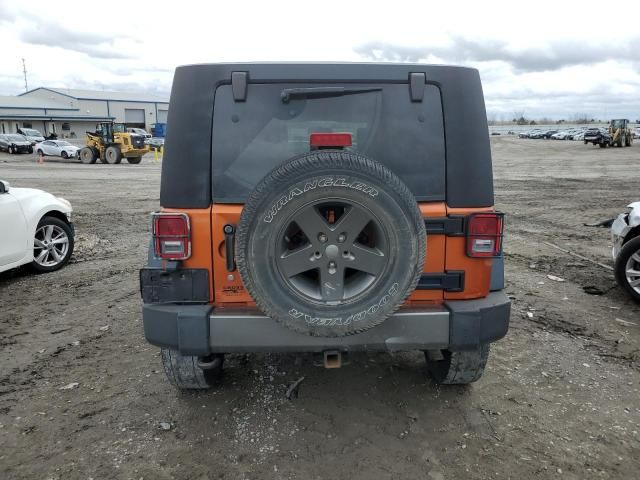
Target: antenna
(24,70)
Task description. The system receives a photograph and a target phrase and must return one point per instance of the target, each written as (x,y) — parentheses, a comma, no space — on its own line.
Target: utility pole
(24,70)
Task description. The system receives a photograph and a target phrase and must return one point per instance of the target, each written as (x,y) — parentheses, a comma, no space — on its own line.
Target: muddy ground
(560,397)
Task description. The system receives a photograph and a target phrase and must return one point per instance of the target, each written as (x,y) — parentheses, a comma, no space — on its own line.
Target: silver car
(625,233)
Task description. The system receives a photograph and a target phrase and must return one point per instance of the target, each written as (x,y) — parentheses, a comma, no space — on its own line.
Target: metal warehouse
(70,112)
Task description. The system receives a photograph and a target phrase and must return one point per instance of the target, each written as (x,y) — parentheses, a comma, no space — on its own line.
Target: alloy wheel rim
(332,250)
(51,245)
(632,271)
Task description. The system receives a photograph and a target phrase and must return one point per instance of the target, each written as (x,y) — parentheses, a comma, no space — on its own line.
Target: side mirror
(4,186)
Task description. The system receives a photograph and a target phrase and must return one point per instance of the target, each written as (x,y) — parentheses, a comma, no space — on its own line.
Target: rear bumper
(201,329)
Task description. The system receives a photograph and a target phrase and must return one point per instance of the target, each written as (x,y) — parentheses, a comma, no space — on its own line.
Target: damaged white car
(625,233)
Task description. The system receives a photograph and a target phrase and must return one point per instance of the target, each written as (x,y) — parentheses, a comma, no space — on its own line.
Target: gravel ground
(82,395)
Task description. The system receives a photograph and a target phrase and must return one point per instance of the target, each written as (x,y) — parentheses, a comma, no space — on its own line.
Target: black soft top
(186,169)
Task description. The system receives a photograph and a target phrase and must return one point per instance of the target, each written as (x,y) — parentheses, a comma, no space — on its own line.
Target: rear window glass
(251,138)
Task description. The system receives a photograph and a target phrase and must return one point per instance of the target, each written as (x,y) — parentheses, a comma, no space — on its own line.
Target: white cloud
(544,58)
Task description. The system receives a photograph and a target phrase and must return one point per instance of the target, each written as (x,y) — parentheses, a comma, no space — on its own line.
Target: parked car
(139,131)
(597,136)
(636,133)
(578,136)
(562,135)
(625,233)
(155,143)
(57,148)
(36,229)
(318,225)
(15,143)
(34,136)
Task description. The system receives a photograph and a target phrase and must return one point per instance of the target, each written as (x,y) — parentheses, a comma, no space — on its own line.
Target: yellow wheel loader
(111,143)
(621,134)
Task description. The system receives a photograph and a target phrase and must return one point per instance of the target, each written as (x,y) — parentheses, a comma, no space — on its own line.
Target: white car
(34,136)
(57,148)
(36,229)
(625,233)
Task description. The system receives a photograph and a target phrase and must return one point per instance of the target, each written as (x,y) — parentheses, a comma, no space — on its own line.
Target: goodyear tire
(88,155)
(330,244)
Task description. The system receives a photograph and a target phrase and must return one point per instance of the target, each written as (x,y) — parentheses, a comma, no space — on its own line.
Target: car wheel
(41,153)
(187,372)
(64,155)
(112,155)
(52,245)
(627,268)
(457,368)
(330,244)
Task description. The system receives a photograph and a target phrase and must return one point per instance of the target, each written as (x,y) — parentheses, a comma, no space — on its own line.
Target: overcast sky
(554,59)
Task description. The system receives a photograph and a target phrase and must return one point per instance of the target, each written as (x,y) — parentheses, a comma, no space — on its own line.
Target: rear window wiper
(322,92)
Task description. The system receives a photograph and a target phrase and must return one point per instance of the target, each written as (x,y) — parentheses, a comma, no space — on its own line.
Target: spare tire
(330,243)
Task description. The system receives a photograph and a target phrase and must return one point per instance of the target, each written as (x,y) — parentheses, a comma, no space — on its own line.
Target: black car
(597,137)
(15,143)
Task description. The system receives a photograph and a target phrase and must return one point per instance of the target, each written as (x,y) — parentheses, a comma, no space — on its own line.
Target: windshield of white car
(16,138)
(62,143)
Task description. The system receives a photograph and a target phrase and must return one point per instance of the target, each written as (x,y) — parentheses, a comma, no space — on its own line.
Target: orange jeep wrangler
(325,208)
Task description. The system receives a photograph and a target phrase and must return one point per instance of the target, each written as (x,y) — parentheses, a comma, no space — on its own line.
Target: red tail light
(330,140)
(172,236)
(484,234)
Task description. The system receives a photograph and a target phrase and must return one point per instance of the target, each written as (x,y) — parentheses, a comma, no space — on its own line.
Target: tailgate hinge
(449,281)
(452,226)
(229,246)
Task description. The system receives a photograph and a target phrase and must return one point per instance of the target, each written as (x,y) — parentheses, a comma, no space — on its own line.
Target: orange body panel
(228,287)
(436,248)
(200,220)
(443,253)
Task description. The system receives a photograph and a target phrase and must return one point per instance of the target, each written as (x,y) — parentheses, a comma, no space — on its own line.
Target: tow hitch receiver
(332,359)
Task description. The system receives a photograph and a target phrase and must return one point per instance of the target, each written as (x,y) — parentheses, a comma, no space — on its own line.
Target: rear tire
(458,368)
(88,155)
(64,155)
(184,373)
(112,155)
(134,160)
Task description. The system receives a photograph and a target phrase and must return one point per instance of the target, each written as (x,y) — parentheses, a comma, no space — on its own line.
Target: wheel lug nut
(332,264)
(322,237)
(342,237)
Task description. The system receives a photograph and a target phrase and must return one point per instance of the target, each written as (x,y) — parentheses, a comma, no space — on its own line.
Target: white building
(71,112)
